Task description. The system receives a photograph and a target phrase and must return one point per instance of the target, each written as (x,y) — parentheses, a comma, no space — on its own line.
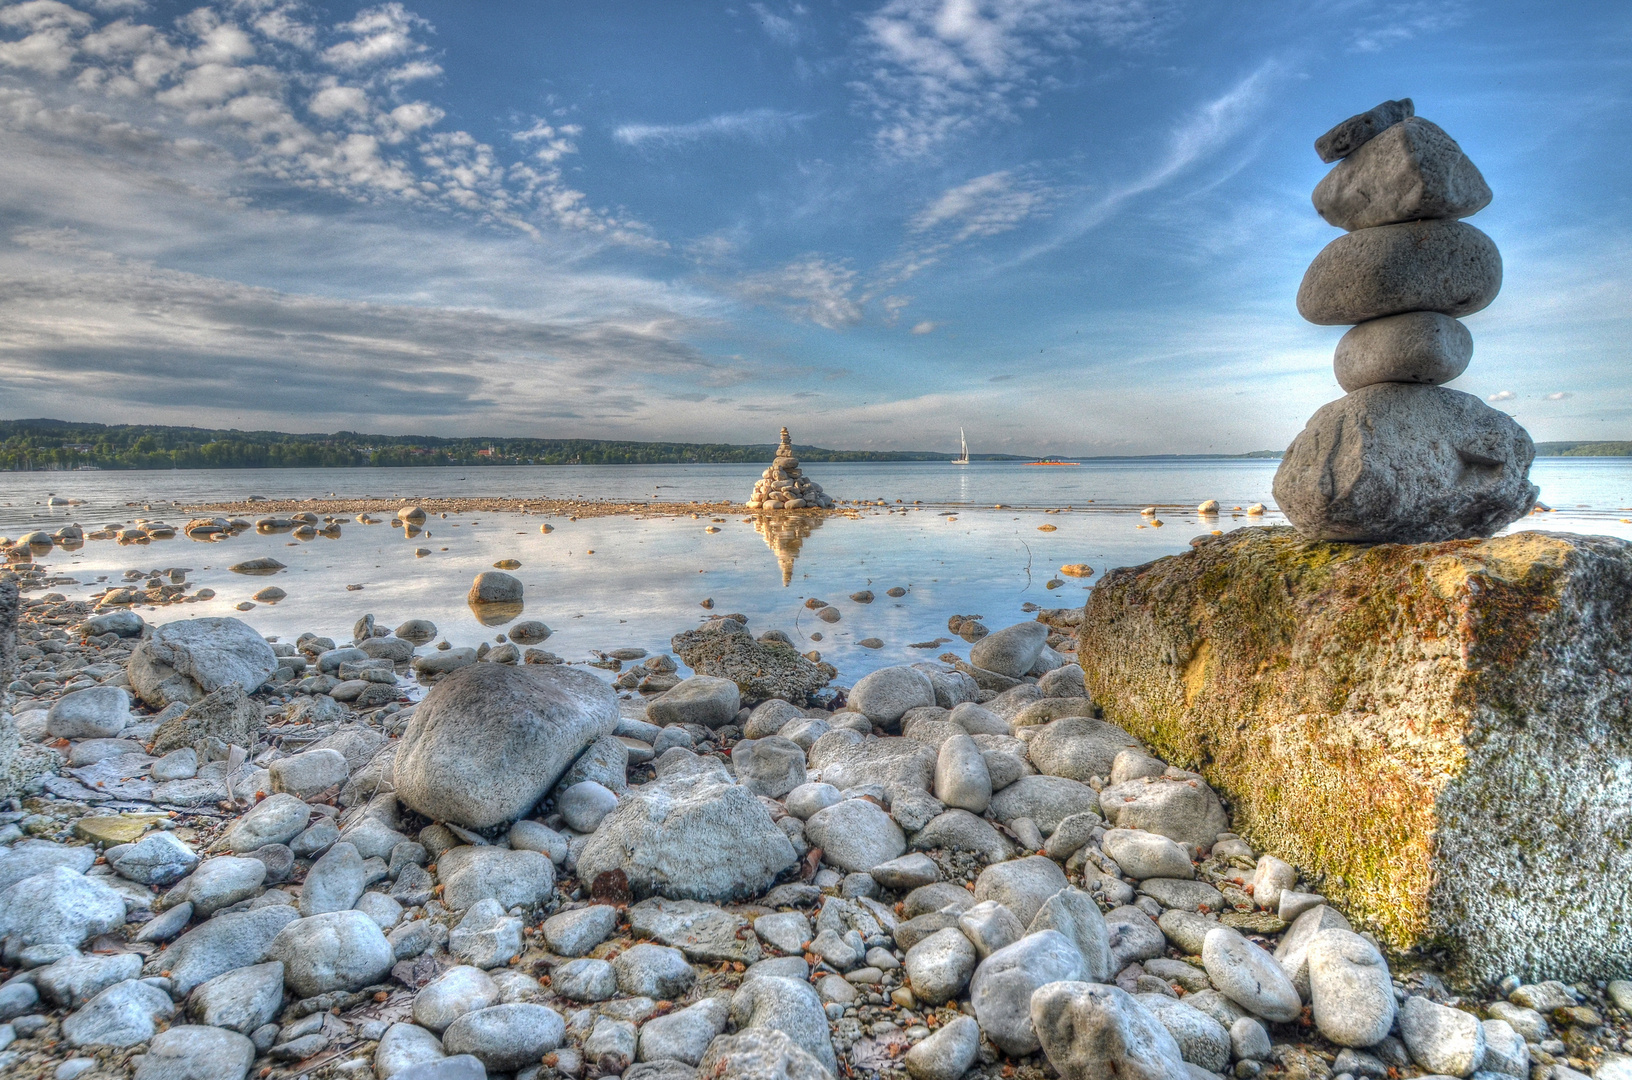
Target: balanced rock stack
(1401,458)
(784,487)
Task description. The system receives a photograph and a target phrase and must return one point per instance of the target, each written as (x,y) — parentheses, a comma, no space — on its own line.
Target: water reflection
(495,614)
(784,534)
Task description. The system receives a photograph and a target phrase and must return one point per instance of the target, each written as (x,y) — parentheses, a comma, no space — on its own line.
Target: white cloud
(814,288)
(940,68)
(1559,395)
(333,102)
(758,125)
(238,85)
(1502,395)
(925,327)
(379,33)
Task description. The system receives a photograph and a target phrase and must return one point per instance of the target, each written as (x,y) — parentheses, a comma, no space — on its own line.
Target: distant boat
(963,446)
(1052,461)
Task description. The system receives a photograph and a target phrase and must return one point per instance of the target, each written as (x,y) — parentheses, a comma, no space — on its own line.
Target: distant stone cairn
(1401,458)
(784,487)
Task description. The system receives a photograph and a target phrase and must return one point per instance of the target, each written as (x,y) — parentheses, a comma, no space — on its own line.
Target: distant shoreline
(46,445)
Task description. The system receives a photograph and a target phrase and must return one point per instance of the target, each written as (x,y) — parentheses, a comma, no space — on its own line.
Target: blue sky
(1068,226)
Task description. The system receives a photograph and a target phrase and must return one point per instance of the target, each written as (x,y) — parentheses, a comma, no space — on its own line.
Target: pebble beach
(323,853)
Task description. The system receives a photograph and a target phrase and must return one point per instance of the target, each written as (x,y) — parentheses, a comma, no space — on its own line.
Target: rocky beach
(391,855)
(1344,799)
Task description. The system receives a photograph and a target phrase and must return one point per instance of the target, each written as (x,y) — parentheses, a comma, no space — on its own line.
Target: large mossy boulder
(1444,731)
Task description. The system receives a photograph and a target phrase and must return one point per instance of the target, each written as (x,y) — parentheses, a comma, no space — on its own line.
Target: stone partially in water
(1392,463)
(761,670)
(1229,655)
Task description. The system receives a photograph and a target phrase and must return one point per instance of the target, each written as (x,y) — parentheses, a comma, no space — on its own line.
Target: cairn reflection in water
(784,533)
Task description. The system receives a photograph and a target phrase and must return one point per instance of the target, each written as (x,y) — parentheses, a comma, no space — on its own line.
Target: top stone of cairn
(1357,130)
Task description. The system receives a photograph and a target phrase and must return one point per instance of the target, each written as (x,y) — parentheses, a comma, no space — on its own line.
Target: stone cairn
(1401,458)
(784,487)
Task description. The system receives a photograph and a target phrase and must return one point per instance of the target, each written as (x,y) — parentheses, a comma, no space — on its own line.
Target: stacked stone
(784,487)
(1401,458)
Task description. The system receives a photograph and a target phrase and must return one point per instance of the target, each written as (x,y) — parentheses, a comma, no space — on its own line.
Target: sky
(1070,227)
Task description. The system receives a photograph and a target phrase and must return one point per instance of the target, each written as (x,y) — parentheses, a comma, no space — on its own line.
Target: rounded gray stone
(584,805)
(1444,266)
(1021,885)
(1249,976)
(1350,989)
(455,992)
(1421,347)
(490,739)
(585,979)
(1441,1039)
(654,971)
(1001,992)
(1011,651)
(961,778)
(99,712)
(1088,1030)
(940,965)
(702,699)
(506,1037)
(855,835)
(340,950)
(1144,855)
(1393,463)
(58,907)
(886,695)
(195,1052)
(772,766)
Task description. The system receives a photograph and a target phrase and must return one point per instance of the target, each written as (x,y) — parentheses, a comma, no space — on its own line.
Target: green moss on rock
(1444,731)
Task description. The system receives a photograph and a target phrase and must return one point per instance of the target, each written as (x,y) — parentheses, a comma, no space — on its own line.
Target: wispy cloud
(939,68)
(1502,395)
(1205,132)
(813,288)
(1387,25)
(757,125)
(778,28)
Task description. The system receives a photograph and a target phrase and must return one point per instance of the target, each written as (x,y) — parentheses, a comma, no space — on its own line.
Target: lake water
(604,583)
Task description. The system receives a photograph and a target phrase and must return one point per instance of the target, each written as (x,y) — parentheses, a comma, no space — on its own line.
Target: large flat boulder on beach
(490,740)
(185,660)
(1444,731)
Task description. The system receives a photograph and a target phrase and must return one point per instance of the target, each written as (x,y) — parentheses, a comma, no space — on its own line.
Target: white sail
(963,447)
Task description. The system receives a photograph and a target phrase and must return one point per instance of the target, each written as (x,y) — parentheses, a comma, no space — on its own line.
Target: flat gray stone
(1445,266)
(195,1052)
(1359,129)
(124,1014)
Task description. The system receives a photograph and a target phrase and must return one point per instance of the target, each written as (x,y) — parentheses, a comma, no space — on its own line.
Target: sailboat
(963,446)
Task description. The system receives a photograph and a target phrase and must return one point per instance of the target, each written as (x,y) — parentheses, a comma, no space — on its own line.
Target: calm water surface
(604,583)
